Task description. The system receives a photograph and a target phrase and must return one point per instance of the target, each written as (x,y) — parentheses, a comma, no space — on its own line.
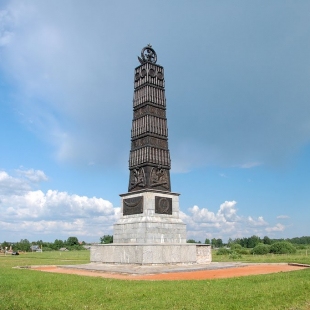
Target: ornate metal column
(149,210)
(149,161)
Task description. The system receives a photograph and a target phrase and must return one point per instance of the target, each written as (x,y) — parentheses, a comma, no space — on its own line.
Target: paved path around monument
(170,272)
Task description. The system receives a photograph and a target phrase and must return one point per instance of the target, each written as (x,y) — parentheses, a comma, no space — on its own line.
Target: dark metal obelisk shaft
(149,161)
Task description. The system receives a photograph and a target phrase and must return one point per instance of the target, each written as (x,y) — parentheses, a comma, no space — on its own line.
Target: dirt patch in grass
(192,275)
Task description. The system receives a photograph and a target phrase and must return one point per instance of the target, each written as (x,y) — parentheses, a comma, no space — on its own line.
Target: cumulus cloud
(12,185)
(33,175)
(277,227)
(259,222)
(54,205)
(30,213)
(225,214)
(225,223)
(22,182)
(283,217)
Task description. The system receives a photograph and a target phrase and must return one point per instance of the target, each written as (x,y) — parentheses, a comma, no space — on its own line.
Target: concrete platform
(151,269)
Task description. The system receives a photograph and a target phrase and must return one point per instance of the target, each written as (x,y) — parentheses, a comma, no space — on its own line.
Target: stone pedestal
(126,253)
(157,221)
(150,231)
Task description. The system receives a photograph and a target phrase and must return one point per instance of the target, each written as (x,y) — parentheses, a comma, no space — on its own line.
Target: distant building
(35,248)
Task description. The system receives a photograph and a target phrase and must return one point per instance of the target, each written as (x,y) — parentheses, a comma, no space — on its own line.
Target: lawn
(28,289)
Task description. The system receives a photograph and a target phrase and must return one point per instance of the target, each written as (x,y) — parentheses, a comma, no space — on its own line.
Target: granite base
(125,253)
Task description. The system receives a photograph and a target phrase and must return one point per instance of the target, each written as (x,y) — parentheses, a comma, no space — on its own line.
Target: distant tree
(39,242)
(191,241)
(207,241)
(277,240)
(261,249)
(253,241)
(223,251)
(219,243)
(22,245)
(266,240)
(214,243)
(72,241)
(58,244)
(283,247)
(106,239)
(5,245)
(300,240)
(235,247)
(238,240)
(244,242)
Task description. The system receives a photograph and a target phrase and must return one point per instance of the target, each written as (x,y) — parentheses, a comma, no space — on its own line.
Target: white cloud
(53,205)
(11,185)
(225,223)
(283,217)
(226,213)
(259,222)
(29,213)
(277,227)
(33,175)
(21,184)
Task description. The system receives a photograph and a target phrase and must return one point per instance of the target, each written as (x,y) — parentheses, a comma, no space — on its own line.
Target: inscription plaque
(133,205)
(163,205)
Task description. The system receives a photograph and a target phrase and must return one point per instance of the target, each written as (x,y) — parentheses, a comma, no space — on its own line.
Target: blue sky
(237,86)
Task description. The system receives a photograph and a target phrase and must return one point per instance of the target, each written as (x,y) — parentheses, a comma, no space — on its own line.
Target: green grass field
(29,289)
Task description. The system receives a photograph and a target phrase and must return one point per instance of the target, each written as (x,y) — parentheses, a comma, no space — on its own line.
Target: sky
(237,77)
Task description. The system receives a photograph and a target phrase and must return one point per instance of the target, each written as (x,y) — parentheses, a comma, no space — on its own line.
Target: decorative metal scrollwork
(159,177)
(148,55)
(137,178)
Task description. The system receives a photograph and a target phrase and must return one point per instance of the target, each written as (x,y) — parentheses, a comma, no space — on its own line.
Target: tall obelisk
(150,212)
(149,230)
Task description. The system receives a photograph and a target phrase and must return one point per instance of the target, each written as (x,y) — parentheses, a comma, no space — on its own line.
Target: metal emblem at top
(148,55)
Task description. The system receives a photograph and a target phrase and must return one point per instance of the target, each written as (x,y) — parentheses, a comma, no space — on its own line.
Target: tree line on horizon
(72,243)
(254,240)
(24,245)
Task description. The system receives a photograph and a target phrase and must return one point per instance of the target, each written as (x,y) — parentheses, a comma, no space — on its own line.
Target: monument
(149,230)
